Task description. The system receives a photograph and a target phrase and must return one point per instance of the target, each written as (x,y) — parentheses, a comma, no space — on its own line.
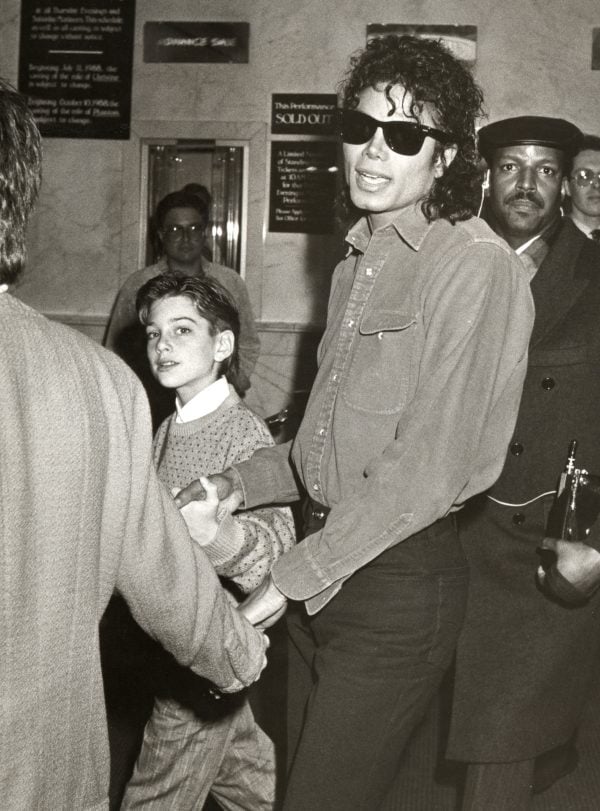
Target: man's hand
(229,492)
(201,516)
(265,605)
(577,563)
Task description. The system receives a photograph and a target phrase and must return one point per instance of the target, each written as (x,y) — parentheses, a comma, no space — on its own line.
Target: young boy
(192,329)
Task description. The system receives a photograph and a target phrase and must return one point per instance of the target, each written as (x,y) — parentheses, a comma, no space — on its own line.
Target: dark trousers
(363,670)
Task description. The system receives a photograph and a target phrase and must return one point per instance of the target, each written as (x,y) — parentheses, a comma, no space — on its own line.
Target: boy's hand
(229,491)
(201,516)
(265,605)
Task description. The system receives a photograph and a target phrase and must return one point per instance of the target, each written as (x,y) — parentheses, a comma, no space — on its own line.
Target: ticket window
(221,167)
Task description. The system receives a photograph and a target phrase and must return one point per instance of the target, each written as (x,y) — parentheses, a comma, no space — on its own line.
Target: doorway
(218,166)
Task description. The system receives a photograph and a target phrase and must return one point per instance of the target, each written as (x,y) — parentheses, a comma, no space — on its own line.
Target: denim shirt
(419,378)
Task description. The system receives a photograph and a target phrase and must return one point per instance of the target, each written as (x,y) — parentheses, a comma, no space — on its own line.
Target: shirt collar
(410,224)
(533,252)
(526,245)
(586,229)
(203,403)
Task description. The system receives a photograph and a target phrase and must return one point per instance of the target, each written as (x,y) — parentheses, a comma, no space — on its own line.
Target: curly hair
(432,76)
(20,178)
(211,300)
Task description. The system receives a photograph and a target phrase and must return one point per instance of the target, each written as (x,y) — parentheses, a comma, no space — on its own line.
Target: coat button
(518,519)
(516,449)
(548,383)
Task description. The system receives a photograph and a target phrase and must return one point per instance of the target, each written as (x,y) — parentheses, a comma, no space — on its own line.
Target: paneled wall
(532,57)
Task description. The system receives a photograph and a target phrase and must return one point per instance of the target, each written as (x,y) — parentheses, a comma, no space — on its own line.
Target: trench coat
(524,662)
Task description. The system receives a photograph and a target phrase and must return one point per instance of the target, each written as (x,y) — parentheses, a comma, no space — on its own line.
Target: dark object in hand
(574,512)
(577,504)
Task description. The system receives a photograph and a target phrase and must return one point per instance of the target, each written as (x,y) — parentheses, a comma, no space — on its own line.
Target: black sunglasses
(403,137)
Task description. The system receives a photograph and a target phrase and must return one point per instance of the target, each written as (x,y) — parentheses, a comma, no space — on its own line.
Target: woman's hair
(20,177)
(434,77)
(211,300)
(180,199)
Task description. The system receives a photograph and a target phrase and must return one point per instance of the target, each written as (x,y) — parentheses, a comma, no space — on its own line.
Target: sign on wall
(303,113)
(303,186)
(595,48)
(196,42)
(75,65)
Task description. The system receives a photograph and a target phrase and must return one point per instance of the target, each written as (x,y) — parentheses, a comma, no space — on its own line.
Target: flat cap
(530,129)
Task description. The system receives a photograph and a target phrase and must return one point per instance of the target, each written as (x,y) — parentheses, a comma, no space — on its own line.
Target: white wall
(533,57)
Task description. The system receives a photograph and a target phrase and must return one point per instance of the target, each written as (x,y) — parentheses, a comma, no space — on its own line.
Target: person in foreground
(181,218)
(82,513)
(192,329)
(527,656)
(420,373)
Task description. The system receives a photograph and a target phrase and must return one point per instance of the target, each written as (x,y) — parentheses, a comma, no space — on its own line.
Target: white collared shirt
(586,229)
(203,403)
(525,245)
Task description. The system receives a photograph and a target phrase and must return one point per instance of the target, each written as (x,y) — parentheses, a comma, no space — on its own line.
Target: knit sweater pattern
(248,543)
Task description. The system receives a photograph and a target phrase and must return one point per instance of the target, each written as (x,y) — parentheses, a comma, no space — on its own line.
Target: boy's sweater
(249,542)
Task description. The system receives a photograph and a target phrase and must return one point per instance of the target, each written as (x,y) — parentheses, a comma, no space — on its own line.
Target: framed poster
(75,66)
(595,48)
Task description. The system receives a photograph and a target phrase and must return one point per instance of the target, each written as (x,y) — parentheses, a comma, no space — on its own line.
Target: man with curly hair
(420,372)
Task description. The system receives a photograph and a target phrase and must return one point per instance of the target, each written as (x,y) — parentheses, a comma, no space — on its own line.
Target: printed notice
(303,186)
(75,66)
(303,113)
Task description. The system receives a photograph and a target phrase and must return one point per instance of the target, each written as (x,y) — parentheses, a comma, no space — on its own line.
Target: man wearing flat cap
(526,655)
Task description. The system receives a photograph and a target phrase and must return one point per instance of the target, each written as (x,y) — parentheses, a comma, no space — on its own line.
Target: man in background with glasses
(420,373)
(526,657)
(582,186)
(180,219)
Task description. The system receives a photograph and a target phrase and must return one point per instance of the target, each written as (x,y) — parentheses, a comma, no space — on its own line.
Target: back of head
(589,143)
(20,177)
(200,191)
(432,75)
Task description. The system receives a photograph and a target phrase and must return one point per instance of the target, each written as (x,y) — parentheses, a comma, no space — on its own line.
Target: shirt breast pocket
(379,376)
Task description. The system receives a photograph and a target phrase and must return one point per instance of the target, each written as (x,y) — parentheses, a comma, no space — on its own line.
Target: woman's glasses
(402,137)
(585,177)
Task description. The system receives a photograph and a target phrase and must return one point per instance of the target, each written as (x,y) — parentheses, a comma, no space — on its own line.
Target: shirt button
(516,449)
(335,377)
(548,383)
(315,487)
(518,519)
(321,432)
(350,323)
(369,271)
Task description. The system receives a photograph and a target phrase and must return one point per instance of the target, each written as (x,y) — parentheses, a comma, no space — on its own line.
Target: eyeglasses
(193,231)
(402,137)
(585,177)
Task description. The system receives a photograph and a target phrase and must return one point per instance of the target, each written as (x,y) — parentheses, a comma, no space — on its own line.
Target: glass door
(217,169)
